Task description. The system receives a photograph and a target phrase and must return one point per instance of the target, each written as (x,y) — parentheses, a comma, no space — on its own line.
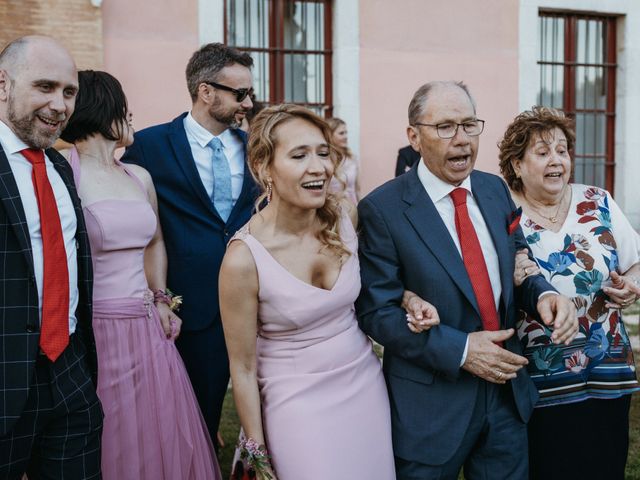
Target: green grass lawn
(229,429)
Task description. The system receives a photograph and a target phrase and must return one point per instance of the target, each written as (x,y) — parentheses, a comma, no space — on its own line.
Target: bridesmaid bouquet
(256,456)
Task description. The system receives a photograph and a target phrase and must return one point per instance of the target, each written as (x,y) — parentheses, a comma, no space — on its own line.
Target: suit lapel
(10,196)
(186,163)
(247,180)
(488,203)
(428,224)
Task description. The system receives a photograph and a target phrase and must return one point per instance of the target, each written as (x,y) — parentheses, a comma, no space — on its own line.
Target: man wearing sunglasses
(205,193)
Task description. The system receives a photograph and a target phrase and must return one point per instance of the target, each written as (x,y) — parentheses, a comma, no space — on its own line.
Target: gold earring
(269,191)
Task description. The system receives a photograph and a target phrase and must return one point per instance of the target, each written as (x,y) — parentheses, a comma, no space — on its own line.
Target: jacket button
(226,232)
(31,328)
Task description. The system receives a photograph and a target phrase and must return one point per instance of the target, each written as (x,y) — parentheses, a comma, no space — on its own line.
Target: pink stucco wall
(406,43)
(147,44)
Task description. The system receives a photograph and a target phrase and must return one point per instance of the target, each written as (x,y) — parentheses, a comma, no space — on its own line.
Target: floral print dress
(595,239)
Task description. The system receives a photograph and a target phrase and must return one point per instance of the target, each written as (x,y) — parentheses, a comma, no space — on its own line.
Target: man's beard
(25,128)
(226,117)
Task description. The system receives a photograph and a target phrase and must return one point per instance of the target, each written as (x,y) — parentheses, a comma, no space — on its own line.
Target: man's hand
(558,311)
(489,361)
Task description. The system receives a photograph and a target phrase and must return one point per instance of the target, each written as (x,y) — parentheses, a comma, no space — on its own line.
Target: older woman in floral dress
(588,251)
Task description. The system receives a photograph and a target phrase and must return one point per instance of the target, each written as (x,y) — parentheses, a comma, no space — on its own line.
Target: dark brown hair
(207,62)
(537,121)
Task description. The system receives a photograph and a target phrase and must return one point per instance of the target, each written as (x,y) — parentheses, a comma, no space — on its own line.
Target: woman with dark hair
(587,249)
(153,428)
(310,387)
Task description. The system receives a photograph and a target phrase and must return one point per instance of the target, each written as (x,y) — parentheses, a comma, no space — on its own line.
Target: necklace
(554,217)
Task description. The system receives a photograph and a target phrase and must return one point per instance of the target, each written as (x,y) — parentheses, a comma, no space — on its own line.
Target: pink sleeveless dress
(153,428)
(324,401)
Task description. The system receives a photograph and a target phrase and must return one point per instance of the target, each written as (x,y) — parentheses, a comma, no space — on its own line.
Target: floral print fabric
(595,239)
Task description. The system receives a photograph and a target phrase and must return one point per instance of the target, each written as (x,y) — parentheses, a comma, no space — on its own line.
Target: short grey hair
(419,101)
(207,62)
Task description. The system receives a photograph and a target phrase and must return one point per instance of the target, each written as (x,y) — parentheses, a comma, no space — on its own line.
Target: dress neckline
(561,230)
(247,233)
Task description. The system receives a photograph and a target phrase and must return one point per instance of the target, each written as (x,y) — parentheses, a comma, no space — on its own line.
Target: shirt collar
(203,136)
(437,188)
(10,141)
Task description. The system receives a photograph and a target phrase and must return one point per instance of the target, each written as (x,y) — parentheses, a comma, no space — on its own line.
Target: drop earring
(269,191)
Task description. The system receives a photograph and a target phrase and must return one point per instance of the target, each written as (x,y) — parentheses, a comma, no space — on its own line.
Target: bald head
(16,53)
(418,103)
(38,86)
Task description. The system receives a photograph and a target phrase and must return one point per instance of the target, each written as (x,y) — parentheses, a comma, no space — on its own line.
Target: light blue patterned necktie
(222,199)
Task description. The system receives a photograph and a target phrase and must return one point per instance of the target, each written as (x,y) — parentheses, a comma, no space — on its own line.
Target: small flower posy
(167,297)
(256,456)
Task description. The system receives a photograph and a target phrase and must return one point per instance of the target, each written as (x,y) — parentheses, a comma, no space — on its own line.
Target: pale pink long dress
(324,401)
(153,428)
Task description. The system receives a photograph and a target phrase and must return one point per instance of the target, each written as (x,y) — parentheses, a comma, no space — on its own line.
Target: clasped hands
(624,290)
(488,360)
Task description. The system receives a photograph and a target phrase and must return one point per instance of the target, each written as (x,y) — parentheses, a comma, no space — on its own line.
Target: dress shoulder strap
(74,161)
(134,177)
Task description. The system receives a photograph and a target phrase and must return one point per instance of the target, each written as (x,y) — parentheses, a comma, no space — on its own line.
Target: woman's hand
(171,323)
(524,267)
(267,474)
(624,290)
(421,315)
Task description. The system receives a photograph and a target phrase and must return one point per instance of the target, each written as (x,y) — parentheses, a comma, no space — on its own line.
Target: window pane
(303,25)
(590,171)
(261,75)
(551,37)
(304,78)
(248,23)
(591,92)
(590,134)
(551,86)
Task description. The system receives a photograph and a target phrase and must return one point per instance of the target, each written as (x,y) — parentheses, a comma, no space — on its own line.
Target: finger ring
(500,375)
(526,272)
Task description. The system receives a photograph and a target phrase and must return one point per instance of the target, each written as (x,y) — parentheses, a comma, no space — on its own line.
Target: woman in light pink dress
(346,177)
(153,428)
(310,388)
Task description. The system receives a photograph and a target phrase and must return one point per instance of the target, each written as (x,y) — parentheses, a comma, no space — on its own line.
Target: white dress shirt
(438,191)
(232,146)
(22,172)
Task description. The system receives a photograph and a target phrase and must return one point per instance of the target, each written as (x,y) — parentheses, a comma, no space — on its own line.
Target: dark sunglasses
(240,93)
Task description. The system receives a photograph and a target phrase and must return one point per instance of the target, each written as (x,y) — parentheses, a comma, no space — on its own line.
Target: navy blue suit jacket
(404,244)
(195,235)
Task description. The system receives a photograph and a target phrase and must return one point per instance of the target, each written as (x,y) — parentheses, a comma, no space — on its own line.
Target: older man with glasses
(205,193)
(459,395)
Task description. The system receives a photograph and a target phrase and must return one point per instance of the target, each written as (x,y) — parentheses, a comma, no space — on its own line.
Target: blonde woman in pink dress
(310,389)
(347,175)
(153,428)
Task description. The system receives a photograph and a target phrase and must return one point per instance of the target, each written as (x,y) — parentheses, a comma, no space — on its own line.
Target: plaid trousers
(58,434)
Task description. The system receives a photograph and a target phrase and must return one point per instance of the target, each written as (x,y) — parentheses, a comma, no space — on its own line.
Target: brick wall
(75,23)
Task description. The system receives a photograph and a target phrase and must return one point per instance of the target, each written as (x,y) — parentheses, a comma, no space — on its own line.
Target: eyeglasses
(240,93)
(472,128)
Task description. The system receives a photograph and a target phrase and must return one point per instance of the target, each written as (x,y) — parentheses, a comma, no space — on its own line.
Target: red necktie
(54,331)
(474,261)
